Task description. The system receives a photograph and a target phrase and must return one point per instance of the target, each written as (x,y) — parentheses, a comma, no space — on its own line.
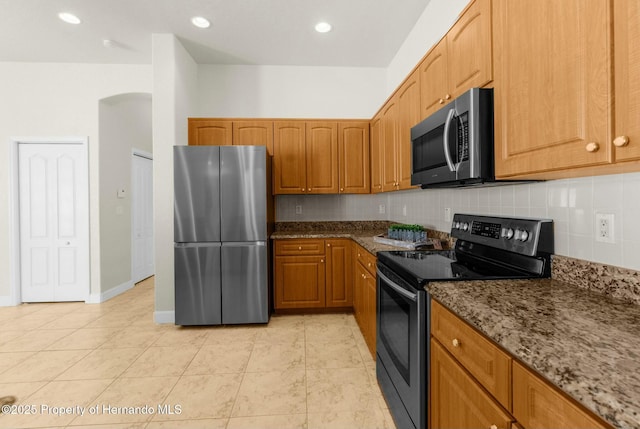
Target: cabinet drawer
(299,247)
(539,405)
(488,364)
(367,260)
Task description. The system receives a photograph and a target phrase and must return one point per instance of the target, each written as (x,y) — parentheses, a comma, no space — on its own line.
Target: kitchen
(571,202)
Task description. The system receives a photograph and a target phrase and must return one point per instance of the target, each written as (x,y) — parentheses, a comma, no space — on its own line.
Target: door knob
(455,342)
(621,141)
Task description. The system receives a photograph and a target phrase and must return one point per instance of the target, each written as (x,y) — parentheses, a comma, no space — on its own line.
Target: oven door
(401,348)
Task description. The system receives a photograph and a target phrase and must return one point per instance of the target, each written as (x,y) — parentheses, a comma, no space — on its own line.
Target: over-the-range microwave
(454,146)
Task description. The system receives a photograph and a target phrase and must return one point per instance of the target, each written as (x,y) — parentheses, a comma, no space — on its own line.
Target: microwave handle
(447,125)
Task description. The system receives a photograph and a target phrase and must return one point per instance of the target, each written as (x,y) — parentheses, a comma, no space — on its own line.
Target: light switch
(121,193)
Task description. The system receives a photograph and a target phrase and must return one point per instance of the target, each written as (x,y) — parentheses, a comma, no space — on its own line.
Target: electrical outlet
(404,210)
(298,209)
(447,214)
(605,227)
(381,208)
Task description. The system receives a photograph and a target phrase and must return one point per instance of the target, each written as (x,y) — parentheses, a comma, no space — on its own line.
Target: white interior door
(142,213)
(54,222)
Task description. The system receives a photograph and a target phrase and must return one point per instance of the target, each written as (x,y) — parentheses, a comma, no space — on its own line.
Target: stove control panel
(521,235)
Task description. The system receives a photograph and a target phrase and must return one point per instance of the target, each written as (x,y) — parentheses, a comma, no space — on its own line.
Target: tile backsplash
(571,203)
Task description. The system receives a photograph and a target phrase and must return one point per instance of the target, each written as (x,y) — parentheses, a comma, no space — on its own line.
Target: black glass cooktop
(421,266)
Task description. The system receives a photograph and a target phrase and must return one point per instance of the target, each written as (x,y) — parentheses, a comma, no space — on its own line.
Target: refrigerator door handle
(243,243)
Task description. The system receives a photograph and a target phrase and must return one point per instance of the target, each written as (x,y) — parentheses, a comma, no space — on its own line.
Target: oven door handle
(399,289)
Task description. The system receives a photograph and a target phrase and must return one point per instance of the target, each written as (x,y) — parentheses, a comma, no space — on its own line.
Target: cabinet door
(434,82)
(339,275)
(538,405)
(409,109)
(469,49)
(353,159)
(552,90)
(457,401)
(358,297)
(376,154)
(299,282)
(253,133)
(322,157)
(210,132)
(390,115)
(627,78)
(289,166)
(370,312)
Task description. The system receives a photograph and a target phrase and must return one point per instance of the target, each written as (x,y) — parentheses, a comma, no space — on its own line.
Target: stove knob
(457,225)
(508,234)
(465,226)
(524,235)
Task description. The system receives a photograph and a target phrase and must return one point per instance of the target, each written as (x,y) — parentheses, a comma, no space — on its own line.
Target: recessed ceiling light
(69,18)
(323,27)
(200,22)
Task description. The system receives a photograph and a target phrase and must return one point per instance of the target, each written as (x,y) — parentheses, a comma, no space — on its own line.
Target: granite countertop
(584,342)
(362,232)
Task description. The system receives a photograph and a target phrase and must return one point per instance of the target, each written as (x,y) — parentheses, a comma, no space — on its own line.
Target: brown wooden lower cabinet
(313,274)
(299,282)
(364,303)
(457,401)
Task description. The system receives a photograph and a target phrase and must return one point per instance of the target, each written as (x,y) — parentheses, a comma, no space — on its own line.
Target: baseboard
(7,301)
(97,298)
(163,317)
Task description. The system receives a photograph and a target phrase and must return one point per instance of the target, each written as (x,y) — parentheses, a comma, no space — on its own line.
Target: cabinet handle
(299,247)
(493,427)
(369,264)
(447,97)
(341,189)
(621,141)
(302,189)
(359,254)
(364,276)
(328,244)
(592,147)
(322,260)
(455,342)
(441,101)
(309,189)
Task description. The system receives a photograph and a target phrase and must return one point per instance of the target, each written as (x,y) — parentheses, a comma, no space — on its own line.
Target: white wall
(174,100)
(40,100)
(290,92)
(125,124)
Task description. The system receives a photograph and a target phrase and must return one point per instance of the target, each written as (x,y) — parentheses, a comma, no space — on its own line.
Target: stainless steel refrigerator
(220,234)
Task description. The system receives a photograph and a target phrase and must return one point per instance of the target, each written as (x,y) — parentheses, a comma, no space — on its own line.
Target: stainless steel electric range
(487,248)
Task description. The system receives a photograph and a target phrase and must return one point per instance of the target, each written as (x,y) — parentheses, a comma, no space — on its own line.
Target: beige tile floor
(112,361)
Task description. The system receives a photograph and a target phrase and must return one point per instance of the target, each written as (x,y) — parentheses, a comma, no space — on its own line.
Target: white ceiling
(366,33)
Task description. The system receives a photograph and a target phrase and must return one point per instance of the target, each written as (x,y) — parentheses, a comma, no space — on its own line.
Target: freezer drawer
(244,283)
(197,284)
(197,194)
(243,193)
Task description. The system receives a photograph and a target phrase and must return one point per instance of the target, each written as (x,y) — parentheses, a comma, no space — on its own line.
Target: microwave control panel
(521,235)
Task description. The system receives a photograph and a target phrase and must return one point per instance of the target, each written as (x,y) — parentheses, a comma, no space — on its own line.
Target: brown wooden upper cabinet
(391,138)
(376,153)
(213,132)
(321,157)
(626,33)
(305,157)
(223,132)
(552,85)
(353,157)
(461,60)
(258,133)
